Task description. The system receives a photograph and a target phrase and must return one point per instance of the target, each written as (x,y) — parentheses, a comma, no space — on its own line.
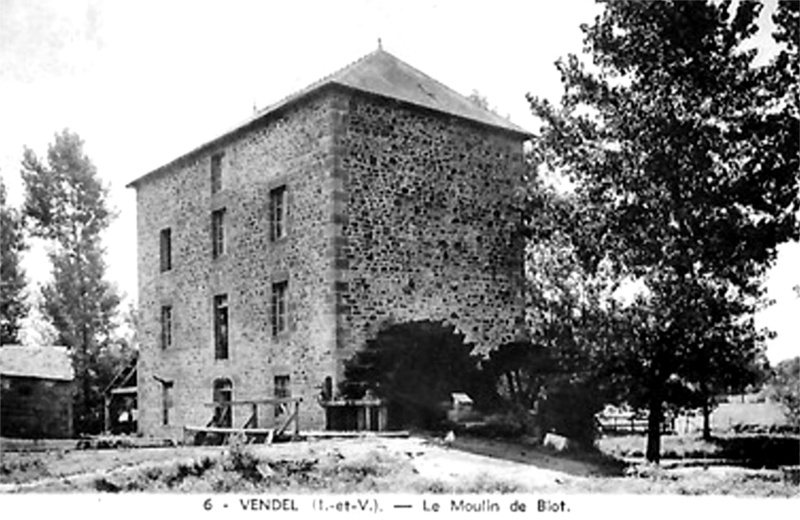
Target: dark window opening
(166,249)
(279,307)
(218,232)
(278,213)
(166,401)
(223,395)
(166,326)
(221,327)
(216,172)
(282,390)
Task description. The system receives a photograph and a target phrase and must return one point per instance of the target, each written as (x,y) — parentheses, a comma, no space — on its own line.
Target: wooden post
(254,407)
(383,418)
(106,414)
(297,417)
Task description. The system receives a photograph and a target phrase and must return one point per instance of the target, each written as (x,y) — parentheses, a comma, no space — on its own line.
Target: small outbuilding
(36,392)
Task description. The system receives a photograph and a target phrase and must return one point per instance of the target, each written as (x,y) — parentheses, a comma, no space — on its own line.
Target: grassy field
(369,465)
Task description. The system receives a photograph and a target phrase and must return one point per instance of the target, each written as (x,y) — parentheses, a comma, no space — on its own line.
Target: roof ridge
(449,89)
(315,84)
(441,98)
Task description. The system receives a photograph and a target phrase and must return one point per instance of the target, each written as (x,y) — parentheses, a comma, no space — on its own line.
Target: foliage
(686,172)
(12,278)
(785,388)
(416,366)
(67,205)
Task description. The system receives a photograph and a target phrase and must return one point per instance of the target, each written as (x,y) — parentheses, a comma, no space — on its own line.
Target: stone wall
(293,150)
(426,224)
(397,214)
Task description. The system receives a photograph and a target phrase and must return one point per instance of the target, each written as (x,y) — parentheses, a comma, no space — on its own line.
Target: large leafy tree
(685,163)
(67,205)
(12,278)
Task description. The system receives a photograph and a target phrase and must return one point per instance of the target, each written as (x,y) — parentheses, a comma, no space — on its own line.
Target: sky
(144,82)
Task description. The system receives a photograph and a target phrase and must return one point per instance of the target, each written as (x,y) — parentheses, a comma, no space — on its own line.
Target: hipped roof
(39,362)
(382,74)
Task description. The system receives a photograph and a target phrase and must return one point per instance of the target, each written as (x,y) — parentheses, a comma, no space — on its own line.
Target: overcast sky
(143,82)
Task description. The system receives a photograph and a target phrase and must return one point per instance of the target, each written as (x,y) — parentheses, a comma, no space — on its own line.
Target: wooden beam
(255,401)
(217,429)
(124,391)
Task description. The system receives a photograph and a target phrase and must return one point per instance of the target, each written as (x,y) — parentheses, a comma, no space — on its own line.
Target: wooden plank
(255,401)
(124,391)
(292,416)
(217,429)
(327,434)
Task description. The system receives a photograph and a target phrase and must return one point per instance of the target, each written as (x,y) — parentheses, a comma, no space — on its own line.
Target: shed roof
(39,362)
(378,73)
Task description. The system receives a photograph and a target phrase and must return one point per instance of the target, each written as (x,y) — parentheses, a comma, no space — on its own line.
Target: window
(166,326)
(166,249)
(282,390)
(221,326)
(216,172)
(166,401)
(279,310)
(218,232)
(278,210)
(223,395)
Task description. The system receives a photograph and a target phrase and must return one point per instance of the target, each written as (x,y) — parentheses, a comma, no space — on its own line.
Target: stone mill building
(270,254)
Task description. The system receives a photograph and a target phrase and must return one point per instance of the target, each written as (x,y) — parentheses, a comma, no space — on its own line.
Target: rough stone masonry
(395,202)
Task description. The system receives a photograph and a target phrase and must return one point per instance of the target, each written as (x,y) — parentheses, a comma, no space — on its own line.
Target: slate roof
(39,362)
(382,74)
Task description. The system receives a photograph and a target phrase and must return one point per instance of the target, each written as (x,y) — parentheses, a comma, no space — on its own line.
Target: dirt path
(431,460)
(452,464)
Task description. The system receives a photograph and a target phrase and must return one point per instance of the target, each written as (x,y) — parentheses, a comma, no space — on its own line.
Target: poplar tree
(67,205)
(12,278)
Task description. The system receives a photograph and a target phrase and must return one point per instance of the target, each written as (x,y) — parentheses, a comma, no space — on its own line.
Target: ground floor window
(166,401)
(223,395)
(282,390)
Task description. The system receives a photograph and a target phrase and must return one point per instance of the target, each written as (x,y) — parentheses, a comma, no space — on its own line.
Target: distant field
(727,416)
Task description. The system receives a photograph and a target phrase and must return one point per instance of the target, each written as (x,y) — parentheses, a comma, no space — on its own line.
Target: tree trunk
(654,430)
(706,420)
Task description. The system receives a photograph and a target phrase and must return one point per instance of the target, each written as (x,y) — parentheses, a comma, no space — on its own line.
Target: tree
(785,389)
(12,278)
(687,170)
(67,205)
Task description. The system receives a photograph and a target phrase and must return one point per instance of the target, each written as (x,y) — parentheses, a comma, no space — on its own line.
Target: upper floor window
(166,326)
(218,232)
(279,307)
(216,172)
(278,211)
(166,249)
(221,326)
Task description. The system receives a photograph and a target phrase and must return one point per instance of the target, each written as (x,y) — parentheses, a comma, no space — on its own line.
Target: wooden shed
(36,392)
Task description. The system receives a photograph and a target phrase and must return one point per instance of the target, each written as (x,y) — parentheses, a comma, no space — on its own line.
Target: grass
(754,451)
(672,447)
(338,466)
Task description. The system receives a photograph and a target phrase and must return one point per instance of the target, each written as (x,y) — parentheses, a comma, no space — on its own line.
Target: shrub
(416,366)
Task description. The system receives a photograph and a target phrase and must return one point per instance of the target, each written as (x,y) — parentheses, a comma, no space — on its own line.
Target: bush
(416,366)
(569,409)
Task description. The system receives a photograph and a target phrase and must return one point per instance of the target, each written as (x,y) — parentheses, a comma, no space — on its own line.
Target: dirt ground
(414,464)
